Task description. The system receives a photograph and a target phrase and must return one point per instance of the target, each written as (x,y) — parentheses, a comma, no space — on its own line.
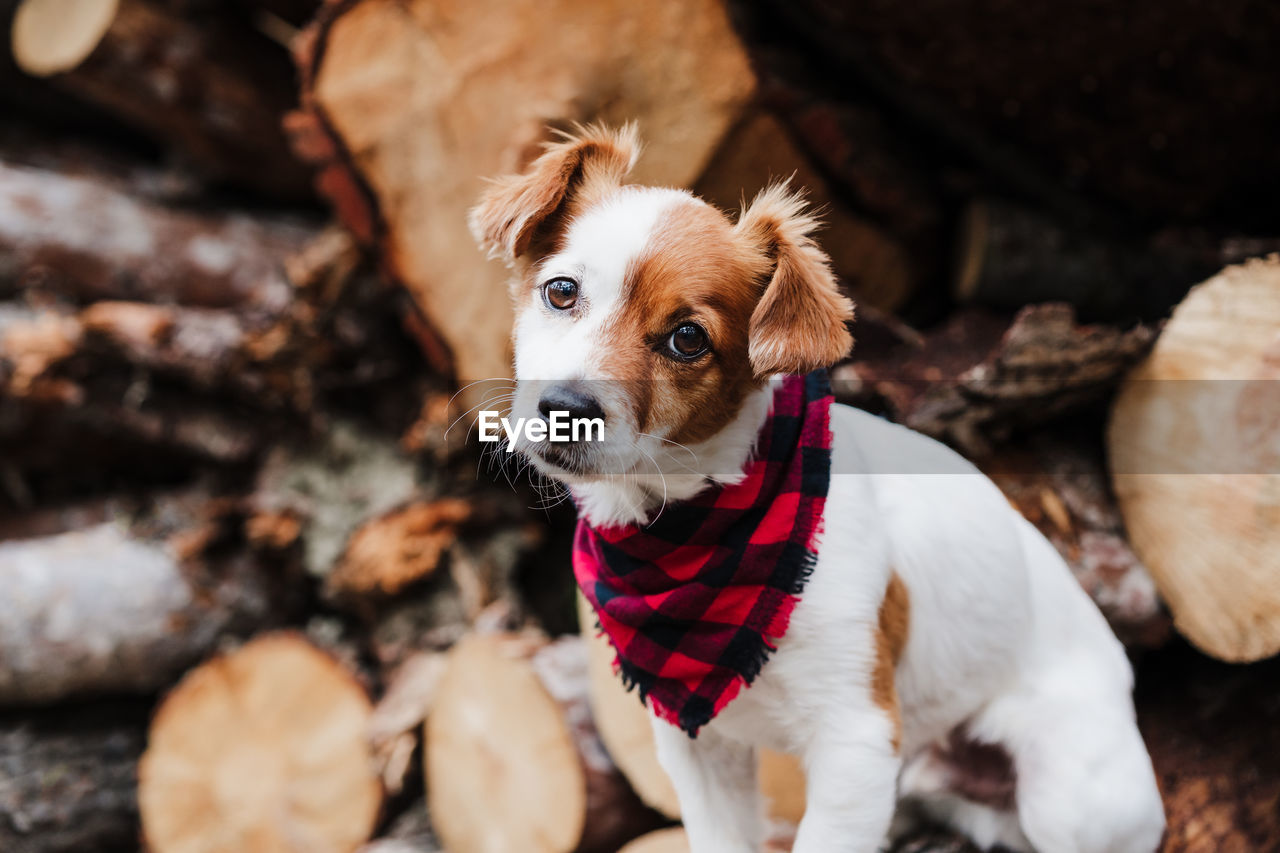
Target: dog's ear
(799,323)
(518,212)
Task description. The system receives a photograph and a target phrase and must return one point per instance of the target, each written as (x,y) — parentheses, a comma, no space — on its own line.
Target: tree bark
(90,238)
(215,95)
(978,379)
(70,779)
(101,599)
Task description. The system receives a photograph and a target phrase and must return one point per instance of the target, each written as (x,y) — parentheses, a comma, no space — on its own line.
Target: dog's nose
(568,398)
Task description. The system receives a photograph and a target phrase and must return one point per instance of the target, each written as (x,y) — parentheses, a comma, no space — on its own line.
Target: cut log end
(1192,444)
(502,769)
(262,749)
(52,36)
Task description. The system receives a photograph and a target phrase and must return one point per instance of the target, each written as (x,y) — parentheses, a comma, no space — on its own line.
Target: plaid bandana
(693,601)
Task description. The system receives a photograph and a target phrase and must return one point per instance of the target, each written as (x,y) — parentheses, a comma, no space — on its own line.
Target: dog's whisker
(485,402)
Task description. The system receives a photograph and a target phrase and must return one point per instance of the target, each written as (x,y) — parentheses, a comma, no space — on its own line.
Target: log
(513,759)
(214,94)
(87,238)
(391,552)
(977,380)
(70,778)
(1193,444)
(397,719)
(398,97)
(628,735)
(331,485)
(106,598)
(264,748)
(623,722)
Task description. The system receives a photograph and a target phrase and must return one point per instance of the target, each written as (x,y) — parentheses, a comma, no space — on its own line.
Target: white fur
(1002,639)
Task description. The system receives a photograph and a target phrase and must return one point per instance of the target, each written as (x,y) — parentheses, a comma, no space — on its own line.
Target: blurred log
(671,840)
(90,238)
(401,96)
(70,779)
(98,601)
(1213,731)
(623,722)
(627,733)
(261,749)
(391,552)
(1194,445)
(213,352)
(411,690)
(1009,256)
(976,380)
(215,95)
(331,485)
(513,759)
(1058,481)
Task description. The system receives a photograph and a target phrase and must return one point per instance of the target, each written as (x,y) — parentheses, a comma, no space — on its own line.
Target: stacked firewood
(259,591)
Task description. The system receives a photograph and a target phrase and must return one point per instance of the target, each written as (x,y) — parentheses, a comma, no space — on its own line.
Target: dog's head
(648,307)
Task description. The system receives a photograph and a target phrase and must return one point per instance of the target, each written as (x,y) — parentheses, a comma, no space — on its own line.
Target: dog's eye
(560,294)
(688,342)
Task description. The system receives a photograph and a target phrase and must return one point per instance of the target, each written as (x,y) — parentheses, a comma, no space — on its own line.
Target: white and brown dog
(1001,660)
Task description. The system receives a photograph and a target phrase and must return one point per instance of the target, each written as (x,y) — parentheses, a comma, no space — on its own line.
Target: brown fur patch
(891,639)
(696,269)
(522,215)
(800,322)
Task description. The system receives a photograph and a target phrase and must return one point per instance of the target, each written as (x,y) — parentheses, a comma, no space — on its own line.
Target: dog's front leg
(715,779)
(851,785)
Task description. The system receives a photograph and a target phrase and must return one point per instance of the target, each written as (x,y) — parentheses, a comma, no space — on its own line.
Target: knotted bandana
(693,601)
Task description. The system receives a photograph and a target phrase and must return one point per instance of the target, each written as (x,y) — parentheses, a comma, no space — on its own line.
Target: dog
(941,662)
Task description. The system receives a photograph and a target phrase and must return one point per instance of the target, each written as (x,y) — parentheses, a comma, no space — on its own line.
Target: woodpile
(261,593)
(214,96)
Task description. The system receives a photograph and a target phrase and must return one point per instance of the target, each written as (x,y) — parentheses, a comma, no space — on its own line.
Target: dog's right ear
(519,212)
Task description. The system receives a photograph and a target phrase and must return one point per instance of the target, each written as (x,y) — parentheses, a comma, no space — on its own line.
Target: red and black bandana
(693,601)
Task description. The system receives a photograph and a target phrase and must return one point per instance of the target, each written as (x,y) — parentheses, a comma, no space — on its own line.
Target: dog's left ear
(799,323)
(517,212)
